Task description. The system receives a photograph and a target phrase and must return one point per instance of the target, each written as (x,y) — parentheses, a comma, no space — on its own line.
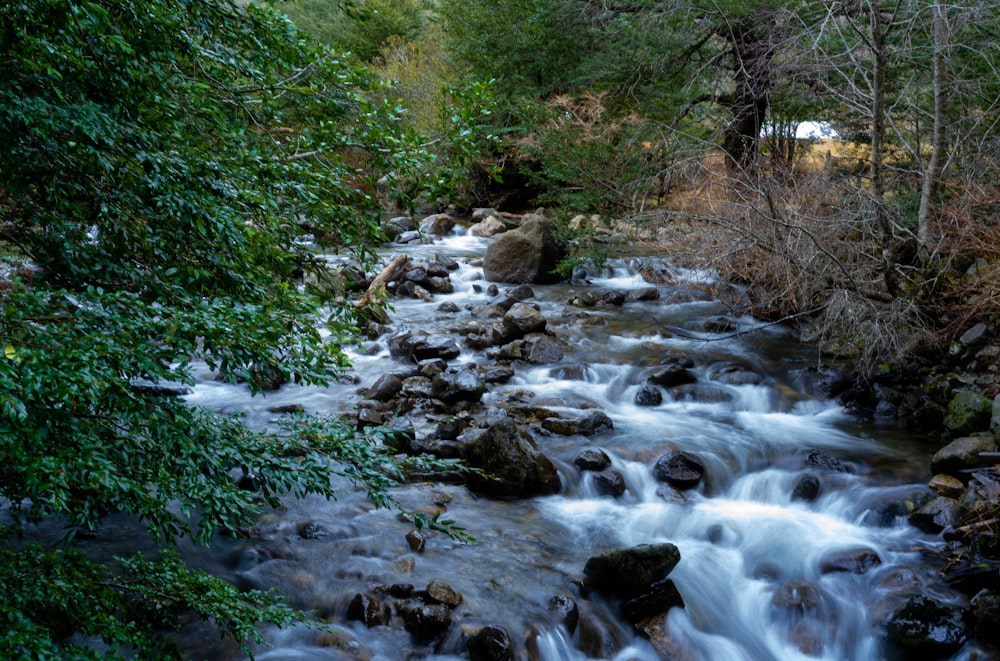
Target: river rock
(416,387)
(660,597)
(526,255)
(386,388)
(648,395)
(961,454)
(587,423)
(542,350)
(452,387)
(824,462)
(592,460)
(439,592)
(513,467)
(679,469)
(609,483)
(948,486)
(853,561)
(806,488)
(369,610)
(644,294)
(925,628)
(968,412)
(671,375)
(565,611)
(630,572)
(522,319)
(797,595)
(935,516)
(438,224)
(488,227)
(491,643)
(424,621)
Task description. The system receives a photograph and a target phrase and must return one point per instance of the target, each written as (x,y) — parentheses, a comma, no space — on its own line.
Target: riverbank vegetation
(162,166)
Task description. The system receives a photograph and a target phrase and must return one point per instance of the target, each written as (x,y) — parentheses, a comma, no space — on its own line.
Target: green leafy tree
(159,162)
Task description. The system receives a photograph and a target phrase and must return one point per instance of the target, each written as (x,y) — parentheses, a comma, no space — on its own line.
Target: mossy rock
(968,412)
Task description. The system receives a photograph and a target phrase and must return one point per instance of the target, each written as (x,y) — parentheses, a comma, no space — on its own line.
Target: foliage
(362,27)
(160,164)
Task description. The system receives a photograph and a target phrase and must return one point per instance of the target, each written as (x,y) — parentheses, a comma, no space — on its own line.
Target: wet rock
(660,597)
(491,643)
(463,385)
(513,465)
(648,395)
(961,454)
(386,388)
(824,462)
(853,561)
(644,294)
(448,307)
(488,227)
(543,350)
(416,387)
(393,227)
(587,423)
(409,238)
(797,595)
(948,486)
(368,609)
(566,611)
(592,460)
(968,412)
(935,516)
(609,483)
(424,621)
(440,285)
(630,572)
(498,374)
(806,488)
(616,298)
(655,629)
(416,541)
(521,293)
(885,510)
(522,319)
(439,592)
(734,375)
(679,469)
(438,224)
(925,628)
(671,375)
(526,255)
(671,495)
(431,367)
(995,419)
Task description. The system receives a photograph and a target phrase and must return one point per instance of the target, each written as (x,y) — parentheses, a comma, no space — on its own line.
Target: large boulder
(528,254)
(968,412)
(961,454)
(924,628)
(512,465)
(631,572)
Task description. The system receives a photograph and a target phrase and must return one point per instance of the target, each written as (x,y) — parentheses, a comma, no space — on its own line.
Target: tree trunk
(752,71)
(939,146)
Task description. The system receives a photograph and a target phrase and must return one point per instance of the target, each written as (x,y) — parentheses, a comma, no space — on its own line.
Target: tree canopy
(160,166)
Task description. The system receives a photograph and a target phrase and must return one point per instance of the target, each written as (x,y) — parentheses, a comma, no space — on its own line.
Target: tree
(158,163)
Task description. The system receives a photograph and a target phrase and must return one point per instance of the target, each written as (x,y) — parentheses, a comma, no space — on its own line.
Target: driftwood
(370,304)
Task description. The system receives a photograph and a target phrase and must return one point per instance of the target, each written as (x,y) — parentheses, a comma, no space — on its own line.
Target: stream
(755,570)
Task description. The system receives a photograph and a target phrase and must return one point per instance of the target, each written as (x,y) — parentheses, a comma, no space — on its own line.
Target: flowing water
(751,570)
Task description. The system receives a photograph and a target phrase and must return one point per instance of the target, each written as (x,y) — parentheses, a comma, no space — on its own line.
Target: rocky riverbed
(658,477)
